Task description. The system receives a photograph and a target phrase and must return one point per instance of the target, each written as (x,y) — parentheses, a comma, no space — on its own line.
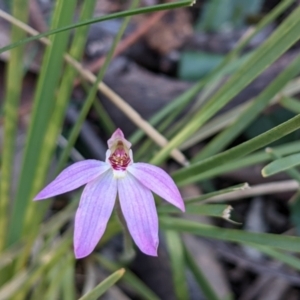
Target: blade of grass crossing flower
(92,94)
(43,104)
(129,278)
(289,243)
(102,287)
(282,38)
(54,127)
(203,283)
(281,164)
(131,12)
(189,94)
(177,260)
(13,84)
(192,173)
(250,114)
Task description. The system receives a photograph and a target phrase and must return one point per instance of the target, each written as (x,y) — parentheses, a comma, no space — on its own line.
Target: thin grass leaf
(256,158)
(289,243)
(43,104)
(177,260)
(238,187)
(288,259)
(215,125)
(13,88)
(212,210)
(10,254)
(54,127)
(22,284)
(203,283)
(187,96)
(292,172)
(284,37)
(68,283)
(191,174)
(62,28)
(102,287)
(291,104)
(129,278)
(251,113)
(58,272)
(281,164)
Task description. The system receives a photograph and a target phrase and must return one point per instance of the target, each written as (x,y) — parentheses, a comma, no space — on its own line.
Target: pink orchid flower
(133,182)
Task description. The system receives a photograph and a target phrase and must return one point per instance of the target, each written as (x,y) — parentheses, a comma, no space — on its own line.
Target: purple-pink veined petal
(73,177)
(158,181)
(95,207)
(138,208)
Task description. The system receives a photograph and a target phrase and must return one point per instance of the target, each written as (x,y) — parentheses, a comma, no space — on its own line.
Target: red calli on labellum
(118,175)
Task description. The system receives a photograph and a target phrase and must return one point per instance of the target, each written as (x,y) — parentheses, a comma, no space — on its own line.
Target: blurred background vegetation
(209,92)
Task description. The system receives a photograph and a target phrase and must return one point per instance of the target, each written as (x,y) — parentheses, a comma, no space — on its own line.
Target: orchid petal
(138,207)
(95,208)
(73,177)
(158,181)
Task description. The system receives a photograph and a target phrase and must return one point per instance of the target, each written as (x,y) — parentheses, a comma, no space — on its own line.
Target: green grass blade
(187,96)
(289,260)
(61,28)
(250,114)
(212,210)
(238,187)
(292,172)
(68,284)
(191,174)
(284,37)
(102,287)
(54,127)
(256,158)
(281,164)
(57,274)
(177,259)
(291,104)
(289,243)
(129,278)
(22,284)
(204,284)
(43,104)
(14,78)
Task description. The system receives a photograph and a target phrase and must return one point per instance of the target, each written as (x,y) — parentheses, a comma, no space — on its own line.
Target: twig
(260,189)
